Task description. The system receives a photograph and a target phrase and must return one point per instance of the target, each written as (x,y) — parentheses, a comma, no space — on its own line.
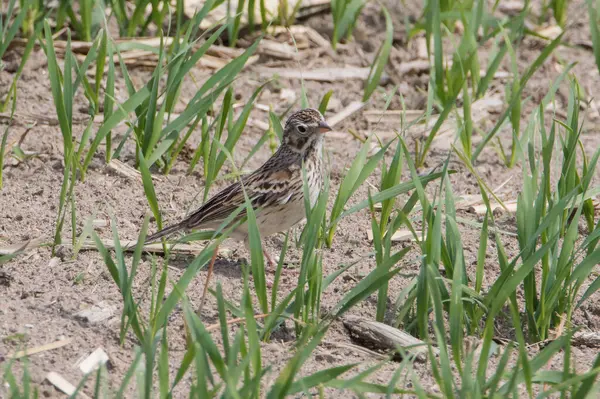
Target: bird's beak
(324,127)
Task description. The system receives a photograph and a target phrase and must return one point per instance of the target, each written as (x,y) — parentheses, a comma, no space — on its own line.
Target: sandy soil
(41,295)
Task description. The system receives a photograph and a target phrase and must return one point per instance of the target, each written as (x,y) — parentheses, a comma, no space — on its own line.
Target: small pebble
(53,262)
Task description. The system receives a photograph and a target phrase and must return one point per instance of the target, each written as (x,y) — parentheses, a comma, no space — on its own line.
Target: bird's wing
(265,187)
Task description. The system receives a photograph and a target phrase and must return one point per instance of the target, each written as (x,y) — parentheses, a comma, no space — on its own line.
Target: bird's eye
(301,128)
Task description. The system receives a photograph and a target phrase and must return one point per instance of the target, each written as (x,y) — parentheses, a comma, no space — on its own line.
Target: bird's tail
(164,232)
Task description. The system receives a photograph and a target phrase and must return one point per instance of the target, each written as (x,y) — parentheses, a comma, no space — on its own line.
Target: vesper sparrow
(275,189)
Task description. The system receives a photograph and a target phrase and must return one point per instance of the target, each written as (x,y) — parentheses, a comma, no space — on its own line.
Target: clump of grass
(19,389)
(468,375)
(86,21)
(457,308)
(513,112)
(345,14)
(9,27)
(233,22)
(239,364)
(124,276)
(559,9)
(286,12)
(361,168)
(435,252)
(359,171)
(157,144)
(307,305)
(63,94)
(385,258)
(10,24)
(594,30)
(449,83)
(551,218)
(384,229)
(215,157)
(158,137)
(548,220)
(381,57)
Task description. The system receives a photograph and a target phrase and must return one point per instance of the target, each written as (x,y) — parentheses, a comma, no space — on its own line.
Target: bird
(275,189)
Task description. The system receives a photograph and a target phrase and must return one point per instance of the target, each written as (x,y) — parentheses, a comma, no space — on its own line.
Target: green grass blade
(203,337)
(391,192)
(100,64)
(9,33)
(149,189)
(256,256)
(324,102)
(588,383)
(594,30)
(12,92)
(481,253)
(235,133)
(515,98)
(284,381)
(120,113)
(163,366)
(153,121)
(5,137)
(318,378)
(359,171)
(57,93)
(381,58)
(362,290)
(276,124)
(109,97)
(484,83)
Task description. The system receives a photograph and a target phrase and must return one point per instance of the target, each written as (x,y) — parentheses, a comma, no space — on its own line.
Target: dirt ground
(41,296)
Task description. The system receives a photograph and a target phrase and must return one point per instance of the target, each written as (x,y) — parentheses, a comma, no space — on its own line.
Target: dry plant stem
(22,246)
(42,348)
(208,276)
(63,385)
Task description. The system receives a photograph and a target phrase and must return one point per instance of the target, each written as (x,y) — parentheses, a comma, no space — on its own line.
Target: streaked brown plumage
(275,189)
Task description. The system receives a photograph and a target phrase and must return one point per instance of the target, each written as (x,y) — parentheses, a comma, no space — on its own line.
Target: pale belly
(281,218)
(273,220)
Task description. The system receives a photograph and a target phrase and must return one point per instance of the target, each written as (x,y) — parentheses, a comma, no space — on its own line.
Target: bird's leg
(272,265)
(268,281)
(210,270)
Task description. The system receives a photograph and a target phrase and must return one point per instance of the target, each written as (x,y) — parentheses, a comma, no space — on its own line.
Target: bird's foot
(284,270)
(272,266)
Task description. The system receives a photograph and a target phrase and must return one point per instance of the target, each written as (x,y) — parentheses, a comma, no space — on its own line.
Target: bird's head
(303,129)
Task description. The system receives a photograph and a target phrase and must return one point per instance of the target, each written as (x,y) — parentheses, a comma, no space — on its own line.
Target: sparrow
(275,189)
